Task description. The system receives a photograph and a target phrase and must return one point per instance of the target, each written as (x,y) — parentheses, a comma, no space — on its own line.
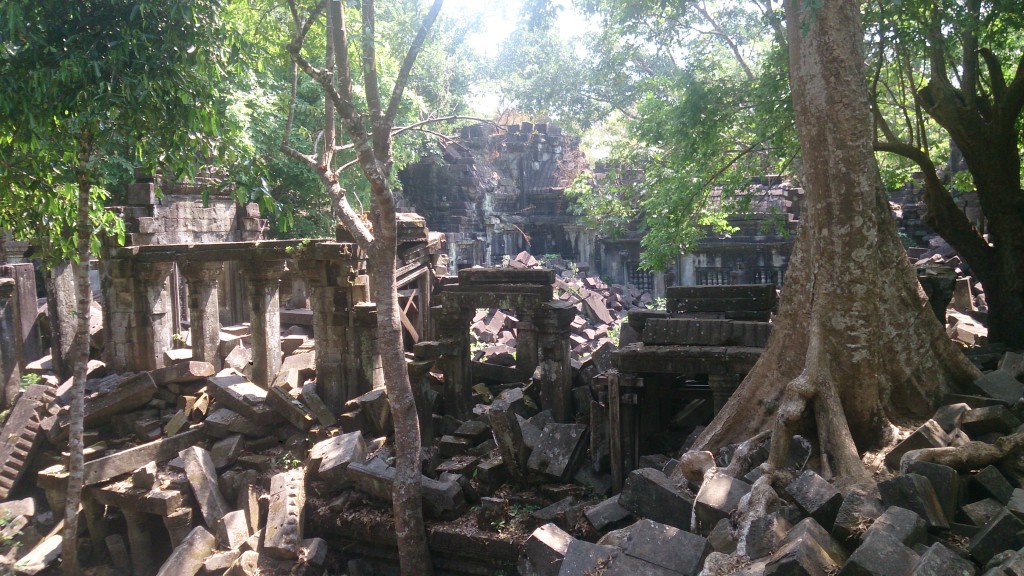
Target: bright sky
(497,20)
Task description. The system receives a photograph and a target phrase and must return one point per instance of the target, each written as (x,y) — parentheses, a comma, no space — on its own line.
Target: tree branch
(410,59)
(371,80)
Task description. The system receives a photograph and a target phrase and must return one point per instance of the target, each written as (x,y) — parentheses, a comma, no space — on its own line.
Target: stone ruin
(221,447)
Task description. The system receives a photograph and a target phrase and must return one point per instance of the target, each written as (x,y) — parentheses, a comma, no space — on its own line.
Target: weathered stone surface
(509,437)
(25,507)
(765,534)
(941,561)
(202,475)
(800,557)
(1001,385)
(115,395)
(668,547)
(980,421)
(944,480)
(914,492)
(223,422)
(188,557)
(880,554)
(583,558)
(290,408)
(376,412)
(607,513)
(188,371)
(559,451)
(809,528)
(226,451)
(313,551)
(40,557)
(982,512)
(543,552)
(990,482)
(857,508)
(145,476)
(336,455)
(717,498)
(285,513)
(248,564)
(316,404)
(1001,533)
(232,530)
(221,561)
(232,390)
(722,537)
(816,497)
(929,435)
(902,524)
(648,493)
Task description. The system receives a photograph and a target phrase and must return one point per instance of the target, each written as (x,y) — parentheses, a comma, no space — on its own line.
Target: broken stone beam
(188,557)
(285,512)
(126,461)
(191,371)
(44,554)
(290,408)
(116,397)
(202,475)
(233,391)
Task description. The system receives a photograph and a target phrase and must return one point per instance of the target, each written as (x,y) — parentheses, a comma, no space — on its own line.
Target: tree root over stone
(971,456)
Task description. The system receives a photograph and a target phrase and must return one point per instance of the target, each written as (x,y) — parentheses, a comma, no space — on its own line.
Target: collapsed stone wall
(498,190)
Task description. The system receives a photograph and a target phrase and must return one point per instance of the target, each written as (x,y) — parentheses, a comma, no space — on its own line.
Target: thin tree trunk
(856,343)
(80,353)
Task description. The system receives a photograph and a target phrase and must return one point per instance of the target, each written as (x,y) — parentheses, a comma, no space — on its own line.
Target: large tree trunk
(407,503)
(80,356)
(856,343)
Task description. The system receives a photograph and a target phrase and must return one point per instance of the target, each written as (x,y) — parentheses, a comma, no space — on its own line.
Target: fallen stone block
(948,416)
(233,391)
(21,435)
(816,498)
(25,507)
(220,561)
(809,528)
(290,408)
(929,435)
(583,558)
(1001,533)
(233,530)
(285,513)
(508,435)
(648,493)
(718,496)
(982,512)
(226,451)
(980,421)
(914,492)
(202,476)
(316,404)
(800,557)
(1001,385)
(182,372)
(40,557)
(544,551)
(336,454)
(902,524)
(114,396)
(607,513)
(765,534)
(666,546)
(376,412)
(559,451)
(944,480)
(990,482)
(880,554)
(223,422)
(118,552)
(144,477)
(188,557)
(941,561)
(857,511)
(441,499)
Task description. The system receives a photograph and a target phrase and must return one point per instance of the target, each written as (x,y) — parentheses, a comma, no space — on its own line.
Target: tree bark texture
(80,356)
(856,343)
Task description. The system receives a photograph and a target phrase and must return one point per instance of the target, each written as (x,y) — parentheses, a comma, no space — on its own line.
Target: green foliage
(93,89)
(28,380)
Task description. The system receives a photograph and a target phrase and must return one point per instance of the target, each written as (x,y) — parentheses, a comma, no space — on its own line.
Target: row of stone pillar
(139,319)
(542,340)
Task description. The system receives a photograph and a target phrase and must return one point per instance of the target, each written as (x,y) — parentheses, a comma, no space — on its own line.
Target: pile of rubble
(601,308)
(946,278)
(716,514)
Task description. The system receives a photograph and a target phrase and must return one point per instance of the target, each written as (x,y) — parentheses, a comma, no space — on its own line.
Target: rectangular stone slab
(202,475)
(240,395)
(115,397)
(188,557)
(285,512)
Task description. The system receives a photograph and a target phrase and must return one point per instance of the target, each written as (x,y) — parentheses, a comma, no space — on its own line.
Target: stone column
(453,330)
(97,526)
(153,314)
(332,298)
(9,372)
(140,542)
(556,370)
(526,344)
(264,280)
(28,343)
(426,286)
(204,309)
(370,367)
(119,316)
